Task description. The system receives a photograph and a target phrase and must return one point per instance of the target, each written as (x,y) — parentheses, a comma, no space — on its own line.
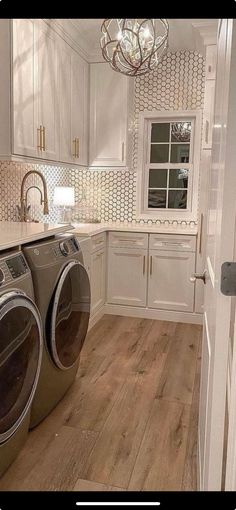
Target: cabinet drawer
(98,241)
(172,242)
(128,239)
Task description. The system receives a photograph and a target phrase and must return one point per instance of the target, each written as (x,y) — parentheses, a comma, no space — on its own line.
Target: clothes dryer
(62,294)
(21,345)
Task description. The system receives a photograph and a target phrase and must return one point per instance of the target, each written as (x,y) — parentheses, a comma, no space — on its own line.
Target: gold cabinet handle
(123,151)
(207,131)
(40,142)
(77,147)
(74,148)
(43,138)
(200,235)
(151,265)
(144,263)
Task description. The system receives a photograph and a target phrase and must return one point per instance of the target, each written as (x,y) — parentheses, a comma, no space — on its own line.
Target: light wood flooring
(129,422)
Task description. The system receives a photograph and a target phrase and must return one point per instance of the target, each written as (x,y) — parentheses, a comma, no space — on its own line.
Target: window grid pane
(176,197)
(171,194)
(182,193)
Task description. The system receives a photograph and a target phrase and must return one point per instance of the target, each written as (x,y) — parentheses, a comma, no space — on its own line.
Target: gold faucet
(23,198)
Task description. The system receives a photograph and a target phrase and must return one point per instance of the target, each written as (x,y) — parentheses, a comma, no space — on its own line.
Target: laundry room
(117,248)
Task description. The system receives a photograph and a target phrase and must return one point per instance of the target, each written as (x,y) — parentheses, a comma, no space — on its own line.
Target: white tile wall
(177,83)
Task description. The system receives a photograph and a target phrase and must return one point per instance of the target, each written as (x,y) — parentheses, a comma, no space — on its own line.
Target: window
(168,163)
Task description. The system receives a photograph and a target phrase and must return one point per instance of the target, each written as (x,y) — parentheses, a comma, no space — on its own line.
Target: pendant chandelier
(134,46)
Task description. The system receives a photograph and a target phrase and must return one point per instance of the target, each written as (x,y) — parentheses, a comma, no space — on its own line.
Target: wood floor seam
(140,445)
(165,399)
(100,432)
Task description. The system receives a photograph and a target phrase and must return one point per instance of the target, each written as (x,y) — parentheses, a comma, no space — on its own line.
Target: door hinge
(228,279)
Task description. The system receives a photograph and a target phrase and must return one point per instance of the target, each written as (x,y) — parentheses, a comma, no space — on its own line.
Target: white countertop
(91,229)
(17,233)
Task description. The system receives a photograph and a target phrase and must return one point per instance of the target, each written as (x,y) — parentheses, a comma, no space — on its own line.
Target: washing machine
(62,294)
(21,346)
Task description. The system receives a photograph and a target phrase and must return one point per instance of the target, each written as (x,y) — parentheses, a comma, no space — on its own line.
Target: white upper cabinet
(73,84)
(79,109)
(108,117)
(24,111)
(47,96)
(49,101)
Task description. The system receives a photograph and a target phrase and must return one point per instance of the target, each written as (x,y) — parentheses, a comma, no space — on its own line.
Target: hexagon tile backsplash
(177,83)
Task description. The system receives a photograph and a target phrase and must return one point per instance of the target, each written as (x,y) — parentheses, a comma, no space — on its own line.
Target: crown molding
(68,31)
(205,33)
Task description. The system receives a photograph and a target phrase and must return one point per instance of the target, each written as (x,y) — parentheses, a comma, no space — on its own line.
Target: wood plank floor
(129,422)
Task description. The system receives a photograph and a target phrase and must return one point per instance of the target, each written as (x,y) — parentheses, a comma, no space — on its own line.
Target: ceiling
(182,33)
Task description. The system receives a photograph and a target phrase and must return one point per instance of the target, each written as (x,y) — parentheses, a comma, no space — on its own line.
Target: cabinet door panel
(65,77)
(169,286)
(127,276)
(47,90)
(108,116)
(98,261)
(79,107)
(24,106)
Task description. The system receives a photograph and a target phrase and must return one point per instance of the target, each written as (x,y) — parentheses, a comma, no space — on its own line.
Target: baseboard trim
(96,317)
(199,470)
(148,313)
(145,313)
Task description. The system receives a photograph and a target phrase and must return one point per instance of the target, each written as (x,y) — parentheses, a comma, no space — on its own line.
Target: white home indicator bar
(115,503)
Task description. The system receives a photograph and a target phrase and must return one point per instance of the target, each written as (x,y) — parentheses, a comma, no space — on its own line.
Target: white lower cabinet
(133,272)
(98,279)
(127,276)
(153,278)
(169,287)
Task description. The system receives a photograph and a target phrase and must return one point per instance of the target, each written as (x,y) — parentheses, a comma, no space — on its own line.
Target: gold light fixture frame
(134,46)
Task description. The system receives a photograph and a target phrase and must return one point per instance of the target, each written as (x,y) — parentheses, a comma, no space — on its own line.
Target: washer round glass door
(21,347)
(70,310)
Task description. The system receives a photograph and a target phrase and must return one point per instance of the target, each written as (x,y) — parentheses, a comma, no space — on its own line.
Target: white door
(169,286)
(108,116)
(201,238)
(219,248)
(47,91)
(127,276)
(24,104)
(79,109)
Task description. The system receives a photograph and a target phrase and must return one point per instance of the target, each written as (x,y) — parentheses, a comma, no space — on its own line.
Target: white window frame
(145,120)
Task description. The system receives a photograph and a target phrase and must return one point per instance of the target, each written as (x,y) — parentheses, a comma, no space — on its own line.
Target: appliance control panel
(12,267)
(67,247)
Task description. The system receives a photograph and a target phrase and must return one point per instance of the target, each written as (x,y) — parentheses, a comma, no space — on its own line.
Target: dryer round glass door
(69,315)
(20,359)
